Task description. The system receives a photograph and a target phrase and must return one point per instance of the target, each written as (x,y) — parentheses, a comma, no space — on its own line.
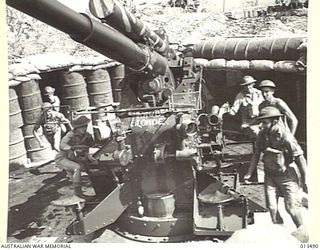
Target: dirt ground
(30,213)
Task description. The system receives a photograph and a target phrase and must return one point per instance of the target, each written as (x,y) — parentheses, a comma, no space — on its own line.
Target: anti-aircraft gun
(158,177)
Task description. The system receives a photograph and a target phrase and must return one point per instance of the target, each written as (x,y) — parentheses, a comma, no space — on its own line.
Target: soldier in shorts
(267,88)
(284,166)
(51,122)
(74,152)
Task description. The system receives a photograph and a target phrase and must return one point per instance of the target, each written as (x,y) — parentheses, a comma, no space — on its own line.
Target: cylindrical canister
(30,101)
(99,87)
(117,74)
(74,90)
(17,150)
(160,204)
(34,151)
(15,116)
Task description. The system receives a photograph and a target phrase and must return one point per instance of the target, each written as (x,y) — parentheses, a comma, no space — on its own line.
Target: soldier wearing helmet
(284,167)
(51,98)
(267,88)
(51,122)
(74,154)
(247,102)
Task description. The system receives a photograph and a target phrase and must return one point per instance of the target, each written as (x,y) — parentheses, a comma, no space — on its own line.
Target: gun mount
(155,146)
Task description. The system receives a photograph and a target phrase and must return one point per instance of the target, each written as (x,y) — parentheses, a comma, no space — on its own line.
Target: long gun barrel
(94,35)
(118,17)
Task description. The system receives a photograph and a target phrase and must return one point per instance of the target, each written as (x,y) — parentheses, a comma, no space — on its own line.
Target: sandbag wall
(275,49)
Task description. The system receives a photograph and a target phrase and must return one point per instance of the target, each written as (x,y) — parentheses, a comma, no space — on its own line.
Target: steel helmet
(48,90)
(269,112)
(80,121)
(246,80)
(267,83)
(46,106)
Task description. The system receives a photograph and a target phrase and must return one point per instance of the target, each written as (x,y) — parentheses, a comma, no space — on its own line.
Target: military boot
(301,234)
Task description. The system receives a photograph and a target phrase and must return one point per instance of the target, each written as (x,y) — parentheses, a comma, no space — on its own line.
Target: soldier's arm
(302,165)
(36,133)
(236,105)
(292,119)
(57,103)
(297,153)
(64,120)
(255,158)
(253,164)
(65,142)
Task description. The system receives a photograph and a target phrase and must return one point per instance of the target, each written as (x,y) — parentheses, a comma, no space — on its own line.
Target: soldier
(51,122)
(247,103)
(74,153)
(53,99)
(284,167)
(268,88)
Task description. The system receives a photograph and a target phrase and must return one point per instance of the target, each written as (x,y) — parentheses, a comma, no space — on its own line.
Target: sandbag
(22,69)
(22,78)
(48,61)
(101,66)
(80,68)
(286,66)
(263,65)
(13,83)
(217,64)
(240,64)
(94,60)
(34,76)
(201,62)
